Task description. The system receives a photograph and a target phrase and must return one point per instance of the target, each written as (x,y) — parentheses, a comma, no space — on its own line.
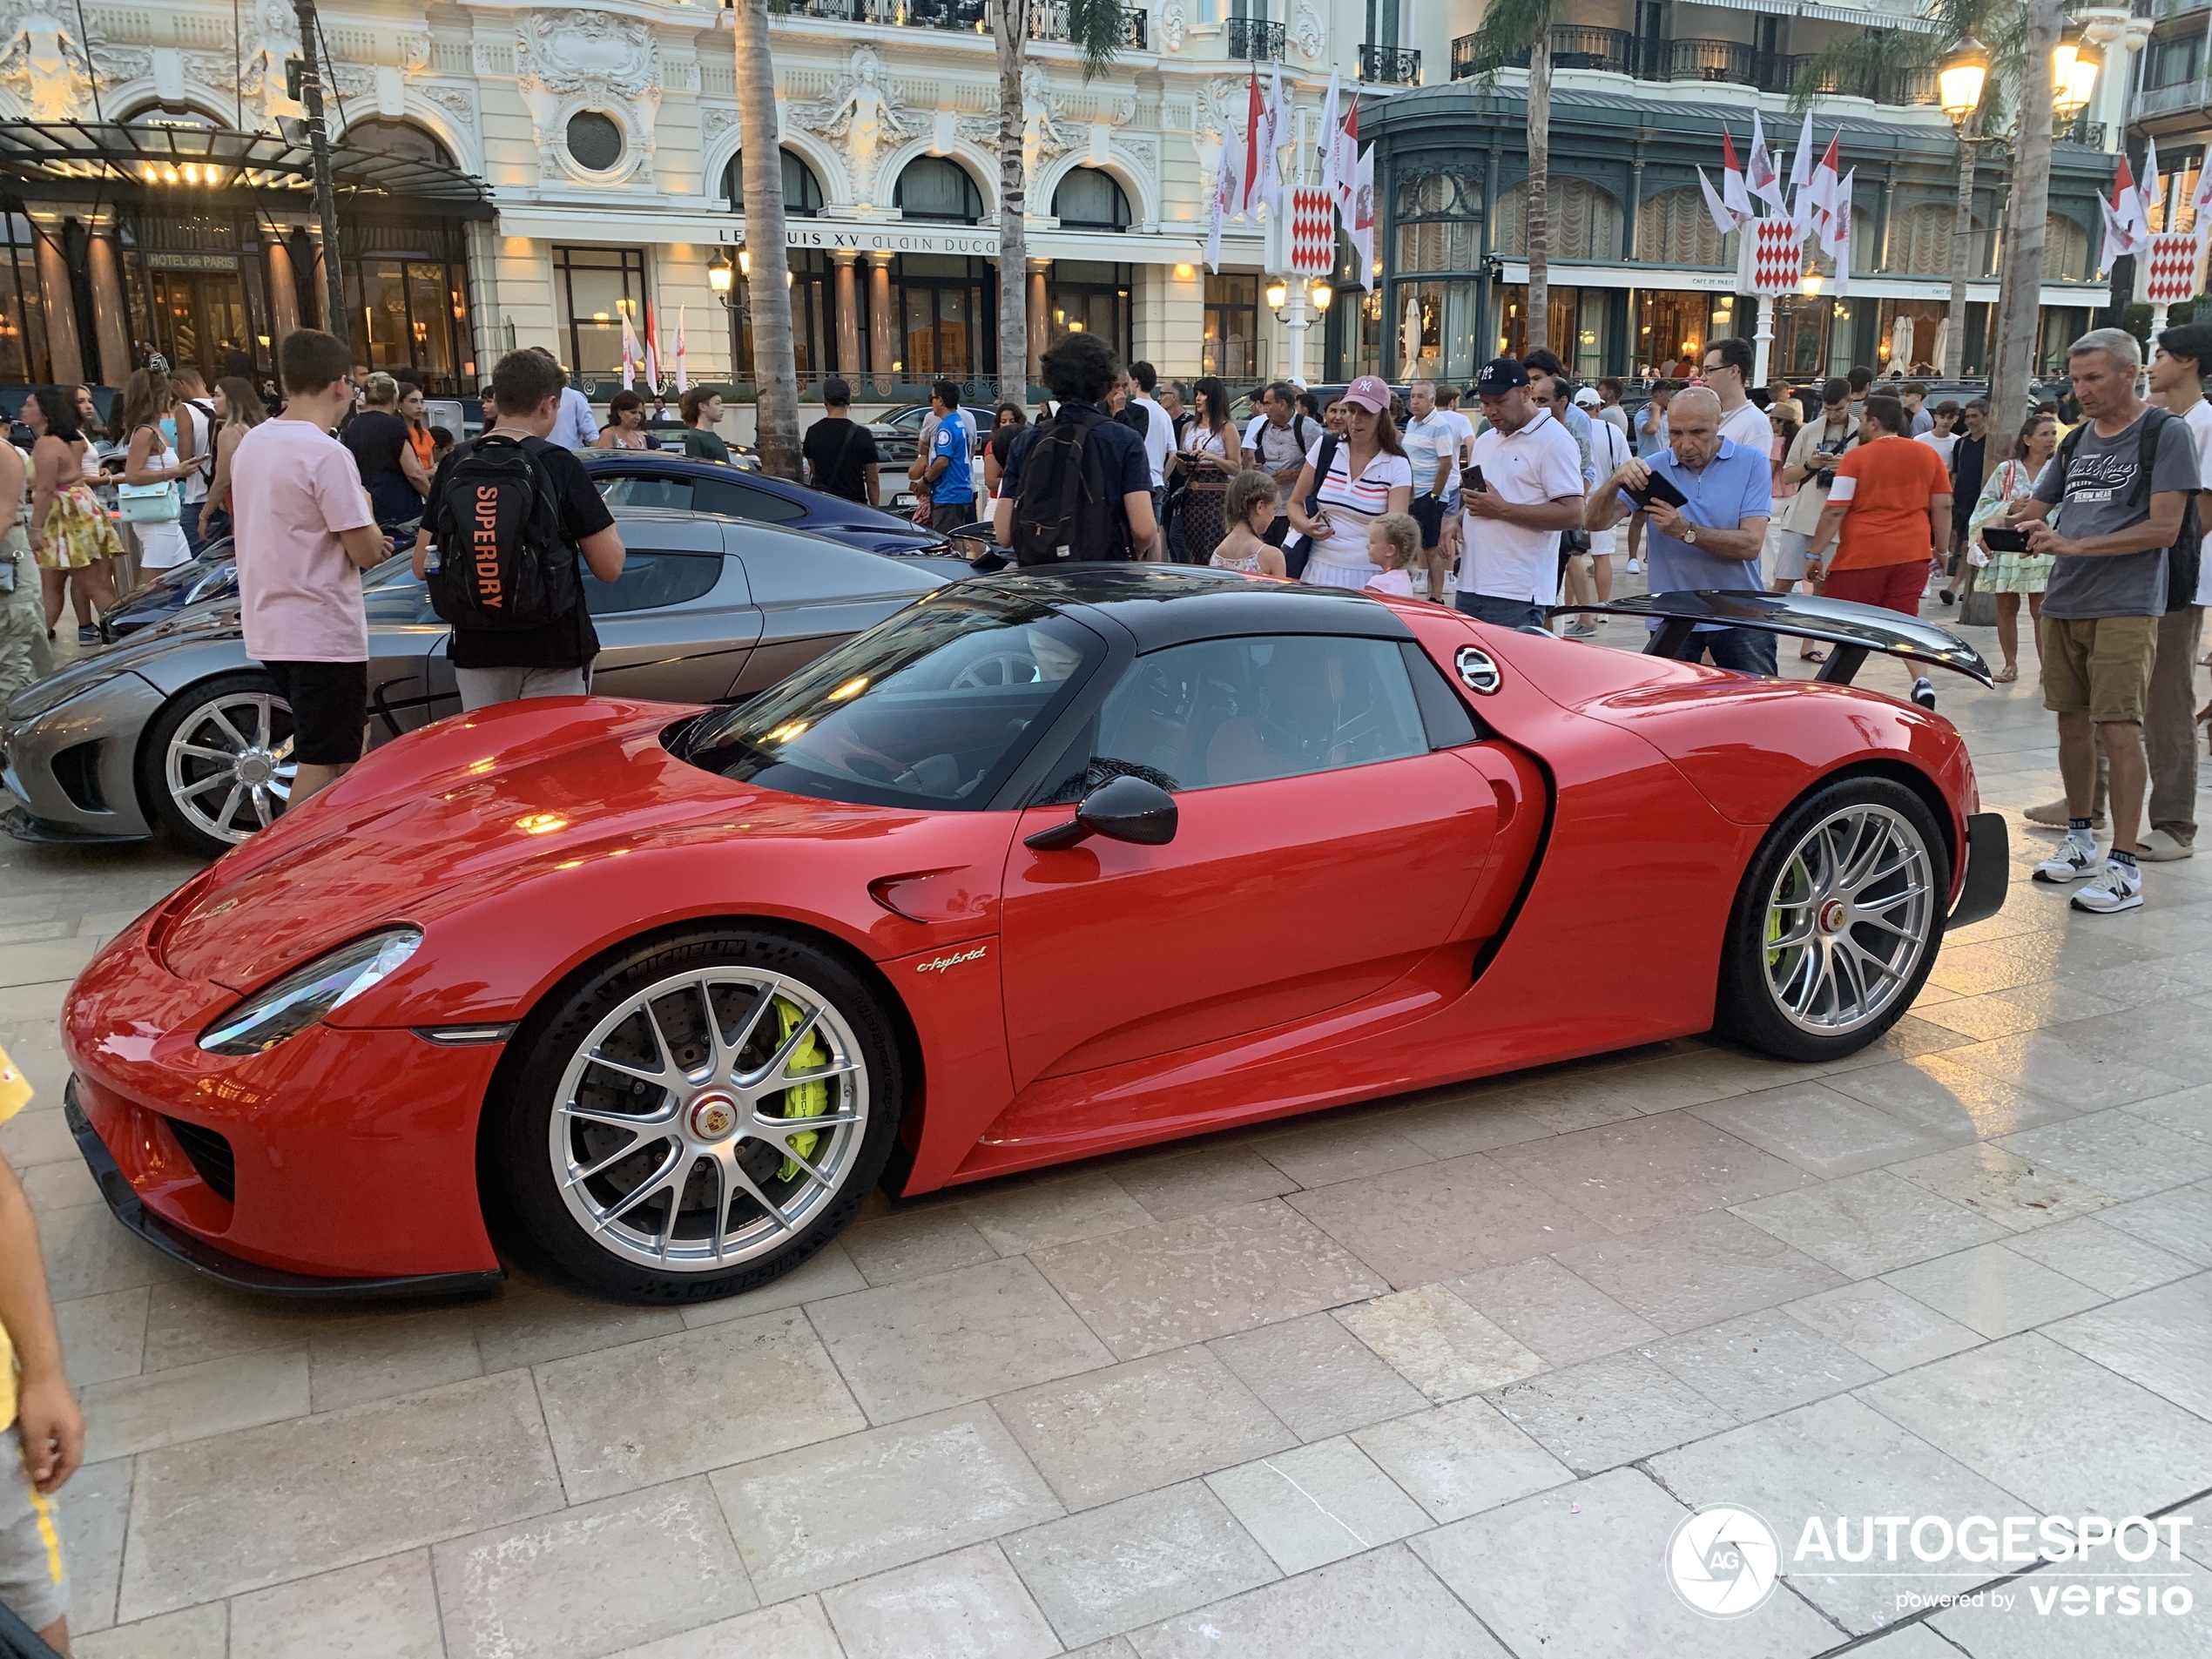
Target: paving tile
(2178,1222)
(1385,1602)
(967,1605)
(1136,1561)
(829,1271)
(1112,1648)
(1441,1220)
(1361,1140)
(2118,1152)
(1439,1344)
(789,1631)
(2186,1113)
(35,1137)
(1316,1504)
(89,1252)
(2047,1063)
(1461,1459)
(2025,958)
(1761,1364)
(1504,1566)
(165,1408)
(1868,1224)
(2089,1252)
(953,1337)
(632,1416)
(2014,1412)
(1820,1130)
(1990,1289)
(1608,1411)
(1027,1215)
(2024,1631)
(1839,1460)
(397,1353)
(386,1609)
(95,1517)
(1161,1287)
(2010,1190)
(1882,1325)
(104,1337)
(1687,1274)
(1547,1309)
(2000,1014)
(206,1519)
(46,960)
(527,1324)
(1198,1183)
(1566,1099)
(2161,1338)
(1907,1642)
(196,1633)
(1316,1376)
(1631,1175)
(1110,1434)
(1475,1121)
(566,1585)
(195,1320)
(1949,1099)
(59,1185)
(914,1244)
(847,1507)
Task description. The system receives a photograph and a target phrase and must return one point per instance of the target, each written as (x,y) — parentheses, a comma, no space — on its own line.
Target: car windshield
(933,708)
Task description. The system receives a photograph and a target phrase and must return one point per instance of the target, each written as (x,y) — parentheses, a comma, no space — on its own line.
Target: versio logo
(1723,1561)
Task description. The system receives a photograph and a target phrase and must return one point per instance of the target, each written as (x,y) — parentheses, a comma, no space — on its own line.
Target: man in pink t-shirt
(304,531)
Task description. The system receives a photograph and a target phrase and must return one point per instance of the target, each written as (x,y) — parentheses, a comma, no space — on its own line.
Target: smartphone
(1999,539)
(1470,478)
(1657,488)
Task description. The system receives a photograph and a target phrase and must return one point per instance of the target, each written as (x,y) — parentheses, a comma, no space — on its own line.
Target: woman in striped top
(1368,476)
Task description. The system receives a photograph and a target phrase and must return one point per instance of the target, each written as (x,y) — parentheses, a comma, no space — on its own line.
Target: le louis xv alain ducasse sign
(830,236)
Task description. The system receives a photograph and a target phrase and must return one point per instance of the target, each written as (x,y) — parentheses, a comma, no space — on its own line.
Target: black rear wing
(1854,629)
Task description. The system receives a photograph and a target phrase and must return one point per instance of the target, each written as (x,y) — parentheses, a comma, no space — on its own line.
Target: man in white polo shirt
(1532,489)
(1726,366)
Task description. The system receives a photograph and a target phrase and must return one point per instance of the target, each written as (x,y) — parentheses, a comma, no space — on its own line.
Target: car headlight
(46,698)
(218,583)
(304,998)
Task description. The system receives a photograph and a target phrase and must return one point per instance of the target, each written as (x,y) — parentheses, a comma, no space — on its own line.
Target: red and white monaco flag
(1733,195)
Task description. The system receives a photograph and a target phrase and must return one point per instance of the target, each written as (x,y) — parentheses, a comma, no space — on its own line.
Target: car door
(1328,839)
(680,622)
(813,593)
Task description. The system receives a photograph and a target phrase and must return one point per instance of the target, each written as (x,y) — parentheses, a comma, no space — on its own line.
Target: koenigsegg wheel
(696,1118)
(216,764)
(1837,923)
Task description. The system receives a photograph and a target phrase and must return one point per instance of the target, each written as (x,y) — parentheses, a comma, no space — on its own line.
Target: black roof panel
(1167,605)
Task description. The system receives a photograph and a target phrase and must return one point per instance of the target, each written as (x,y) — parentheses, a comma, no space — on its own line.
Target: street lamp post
(319,161)
(2020,276)
(1960,81)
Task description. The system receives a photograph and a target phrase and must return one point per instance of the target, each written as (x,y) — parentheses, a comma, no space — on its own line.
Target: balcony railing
(2164,100)
(1047,22)
(1051,22)
(1725,62)
(1390,65)
(1255,38)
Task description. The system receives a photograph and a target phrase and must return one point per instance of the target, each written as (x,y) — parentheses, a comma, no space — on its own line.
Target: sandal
(1812,655)
(2006,675)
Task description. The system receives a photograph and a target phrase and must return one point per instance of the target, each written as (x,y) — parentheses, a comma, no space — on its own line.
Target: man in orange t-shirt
(1888,515)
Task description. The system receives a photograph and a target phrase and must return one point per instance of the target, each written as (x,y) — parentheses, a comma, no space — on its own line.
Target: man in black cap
(1532,489)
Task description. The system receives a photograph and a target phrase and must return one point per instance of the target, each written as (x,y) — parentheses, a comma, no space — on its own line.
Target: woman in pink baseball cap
(1348,483)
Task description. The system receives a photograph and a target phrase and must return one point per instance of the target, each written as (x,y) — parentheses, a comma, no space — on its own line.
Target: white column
(1296,324)
(1762,342)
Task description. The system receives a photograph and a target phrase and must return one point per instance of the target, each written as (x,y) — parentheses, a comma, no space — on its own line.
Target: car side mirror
(1128,809)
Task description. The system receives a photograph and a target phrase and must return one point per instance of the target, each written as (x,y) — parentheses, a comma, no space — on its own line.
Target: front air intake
(210,1153)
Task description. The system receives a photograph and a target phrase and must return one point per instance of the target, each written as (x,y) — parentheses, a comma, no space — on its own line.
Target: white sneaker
(1635,567)
(2071,863)
(2118,886)
(2160,847)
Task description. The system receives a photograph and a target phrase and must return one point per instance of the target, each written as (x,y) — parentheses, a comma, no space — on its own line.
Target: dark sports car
(1050,863)
(177,726)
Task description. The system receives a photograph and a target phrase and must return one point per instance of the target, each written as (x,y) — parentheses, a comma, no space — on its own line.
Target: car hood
(471,807)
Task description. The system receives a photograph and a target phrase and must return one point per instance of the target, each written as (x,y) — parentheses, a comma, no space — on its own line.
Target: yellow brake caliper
(800,1100)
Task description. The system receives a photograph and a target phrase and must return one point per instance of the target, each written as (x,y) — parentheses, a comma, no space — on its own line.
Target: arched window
(2066,250)
(932,187)
(1920,241)
(1090,198)
(1438,222)
(396,139)
(1673,228)
(802,192)
(1585,221)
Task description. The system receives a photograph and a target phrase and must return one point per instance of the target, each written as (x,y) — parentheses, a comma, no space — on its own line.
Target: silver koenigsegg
(179,728)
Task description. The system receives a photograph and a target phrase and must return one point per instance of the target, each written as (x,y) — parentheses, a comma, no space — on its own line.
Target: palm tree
(1508,28)
(767,289)
(1868,62)
(1097,26)
(2020,280)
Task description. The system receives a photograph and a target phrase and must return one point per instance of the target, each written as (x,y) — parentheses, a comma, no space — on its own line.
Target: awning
(1865,16)
(199,167)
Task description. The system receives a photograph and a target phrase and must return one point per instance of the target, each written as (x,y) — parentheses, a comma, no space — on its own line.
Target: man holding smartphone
(1524,487)
(1711,540)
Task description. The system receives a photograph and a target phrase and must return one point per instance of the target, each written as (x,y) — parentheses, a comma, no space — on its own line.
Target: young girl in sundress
(1249,508)
(2012,575)
(71,536)
(1393,545)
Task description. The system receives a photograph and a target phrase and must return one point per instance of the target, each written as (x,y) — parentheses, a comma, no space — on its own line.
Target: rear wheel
(695,1119)
(1837,923)
(216,762)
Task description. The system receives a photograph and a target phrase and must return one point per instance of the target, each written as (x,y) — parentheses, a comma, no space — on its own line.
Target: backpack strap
(1324,461)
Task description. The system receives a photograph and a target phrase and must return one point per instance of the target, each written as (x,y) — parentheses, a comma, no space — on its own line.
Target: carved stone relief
(864,110)
(570,62)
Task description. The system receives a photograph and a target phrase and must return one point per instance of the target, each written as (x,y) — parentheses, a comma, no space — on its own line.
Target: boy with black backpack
(510,520)
(1078,489)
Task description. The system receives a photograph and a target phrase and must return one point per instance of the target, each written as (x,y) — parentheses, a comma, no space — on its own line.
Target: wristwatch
(1690,534)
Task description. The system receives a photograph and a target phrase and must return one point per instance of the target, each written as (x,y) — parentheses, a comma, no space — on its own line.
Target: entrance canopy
(204,167)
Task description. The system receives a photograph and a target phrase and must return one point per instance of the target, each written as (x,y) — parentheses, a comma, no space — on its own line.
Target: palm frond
(1508,28)
(1099,27)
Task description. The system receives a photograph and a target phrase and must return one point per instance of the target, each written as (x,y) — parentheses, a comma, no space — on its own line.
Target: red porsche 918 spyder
(1047,865)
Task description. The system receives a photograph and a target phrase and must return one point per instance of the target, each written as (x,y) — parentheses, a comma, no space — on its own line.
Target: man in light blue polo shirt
(1712,541)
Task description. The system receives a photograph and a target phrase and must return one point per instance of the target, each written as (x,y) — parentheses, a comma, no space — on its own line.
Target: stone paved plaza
(1433,1375)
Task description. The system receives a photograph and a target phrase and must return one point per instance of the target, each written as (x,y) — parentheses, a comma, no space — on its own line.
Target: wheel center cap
(255,768)
(1832,914)
(712,1117)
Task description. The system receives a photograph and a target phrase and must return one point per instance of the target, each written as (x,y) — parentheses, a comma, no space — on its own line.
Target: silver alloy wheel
(707,1119)
(1849,918)
(226,763)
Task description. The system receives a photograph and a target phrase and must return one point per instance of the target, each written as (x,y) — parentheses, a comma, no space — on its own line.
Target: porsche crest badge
(1478,672)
